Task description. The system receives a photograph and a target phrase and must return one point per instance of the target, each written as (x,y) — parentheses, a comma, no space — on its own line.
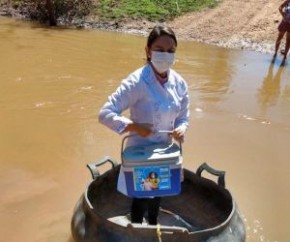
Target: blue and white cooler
(153,170)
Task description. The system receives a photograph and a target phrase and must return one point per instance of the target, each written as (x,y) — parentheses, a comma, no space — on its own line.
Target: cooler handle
(93,165)
(161,131)
(219,174)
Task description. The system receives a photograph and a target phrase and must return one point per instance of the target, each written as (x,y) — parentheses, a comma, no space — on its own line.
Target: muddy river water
(54,81)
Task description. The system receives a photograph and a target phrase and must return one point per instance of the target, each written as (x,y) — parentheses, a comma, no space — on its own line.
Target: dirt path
(247,24)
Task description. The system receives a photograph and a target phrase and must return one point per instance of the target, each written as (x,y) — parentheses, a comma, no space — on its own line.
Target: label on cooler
(149,178)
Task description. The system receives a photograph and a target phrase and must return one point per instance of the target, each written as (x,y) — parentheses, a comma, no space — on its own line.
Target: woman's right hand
(142,129)
(178,134)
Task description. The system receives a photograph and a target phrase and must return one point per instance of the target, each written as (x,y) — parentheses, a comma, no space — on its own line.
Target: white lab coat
(166,107)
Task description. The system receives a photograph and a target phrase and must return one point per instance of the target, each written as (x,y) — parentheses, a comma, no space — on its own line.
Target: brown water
(52,84)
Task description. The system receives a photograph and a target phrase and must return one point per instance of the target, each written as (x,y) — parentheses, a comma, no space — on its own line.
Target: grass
(118,10)
(152,10)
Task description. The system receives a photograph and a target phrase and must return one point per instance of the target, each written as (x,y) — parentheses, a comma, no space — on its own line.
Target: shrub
(53,10)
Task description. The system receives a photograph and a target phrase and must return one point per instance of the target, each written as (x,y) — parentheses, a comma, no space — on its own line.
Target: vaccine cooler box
(153,170)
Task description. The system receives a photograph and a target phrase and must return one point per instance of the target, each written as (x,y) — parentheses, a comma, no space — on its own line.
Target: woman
(153,180)
(284,27)
(157,98)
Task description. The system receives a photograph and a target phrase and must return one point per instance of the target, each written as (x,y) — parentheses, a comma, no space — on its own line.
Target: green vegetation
(53,11)
(151,10)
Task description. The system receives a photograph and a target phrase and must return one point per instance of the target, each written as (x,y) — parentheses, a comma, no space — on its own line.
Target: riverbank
(249,25)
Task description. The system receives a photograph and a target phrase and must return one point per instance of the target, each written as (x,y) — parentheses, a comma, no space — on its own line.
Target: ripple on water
(249,118)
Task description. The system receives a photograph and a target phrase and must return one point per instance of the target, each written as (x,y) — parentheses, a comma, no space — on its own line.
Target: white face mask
(162,61)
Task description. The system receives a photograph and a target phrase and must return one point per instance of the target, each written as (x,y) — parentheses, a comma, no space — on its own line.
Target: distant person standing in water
(284,27)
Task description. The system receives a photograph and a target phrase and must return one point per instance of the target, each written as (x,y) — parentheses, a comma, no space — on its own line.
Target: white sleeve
(183,116)
(124,97)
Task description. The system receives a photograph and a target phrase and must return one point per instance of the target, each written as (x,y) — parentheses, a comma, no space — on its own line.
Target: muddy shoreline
(143,28)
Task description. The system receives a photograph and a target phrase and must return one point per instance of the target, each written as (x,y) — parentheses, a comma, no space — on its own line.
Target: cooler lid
(151,152)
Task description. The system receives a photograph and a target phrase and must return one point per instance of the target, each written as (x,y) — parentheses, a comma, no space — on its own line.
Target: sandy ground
(239,24)
(247,24)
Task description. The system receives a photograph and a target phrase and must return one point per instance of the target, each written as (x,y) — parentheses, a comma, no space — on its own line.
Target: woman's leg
(153,209)
(138,208)
(278,42)
(287,45)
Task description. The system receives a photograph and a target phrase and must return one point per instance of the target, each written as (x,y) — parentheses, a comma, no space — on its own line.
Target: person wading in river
(284,27)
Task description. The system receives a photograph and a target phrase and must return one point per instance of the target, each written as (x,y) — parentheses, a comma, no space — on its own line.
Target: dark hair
(153,173)
(157,31)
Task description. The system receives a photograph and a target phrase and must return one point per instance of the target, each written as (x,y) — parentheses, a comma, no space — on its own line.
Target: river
(53,81)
